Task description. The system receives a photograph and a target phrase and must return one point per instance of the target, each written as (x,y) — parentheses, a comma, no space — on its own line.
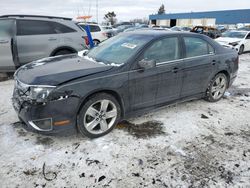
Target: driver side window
(163,50)
(248,36)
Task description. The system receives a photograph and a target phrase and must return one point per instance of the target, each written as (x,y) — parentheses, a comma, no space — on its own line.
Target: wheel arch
(108,91)
(63,48)
(96,40)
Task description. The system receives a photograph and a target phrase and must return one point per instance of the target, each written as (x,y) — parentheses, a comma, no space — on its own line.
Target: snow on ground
(196,144)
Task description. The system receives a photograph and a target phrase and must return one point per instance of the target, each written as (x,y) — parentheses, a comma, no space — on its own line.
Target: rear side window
(95,28)
(39,27)
(197,47)
(34,27)
(60,28)
(163,50)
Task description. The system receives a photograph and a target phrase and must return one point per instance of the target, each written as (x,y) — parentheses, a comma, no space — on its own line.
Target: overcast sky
(125,9)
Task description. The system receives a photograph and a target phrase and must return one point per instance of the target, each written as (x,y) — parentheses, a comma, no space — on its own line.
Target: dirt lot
(196,144)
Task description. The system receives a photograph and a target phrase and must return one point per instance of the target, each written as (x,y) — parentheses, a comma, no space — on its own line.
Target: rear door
(7,37)
(36,39)
(200,63)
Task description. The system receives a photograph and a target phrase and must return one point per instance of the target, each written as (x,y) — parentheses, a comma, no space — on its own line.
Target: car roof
(157,33)
(33,16)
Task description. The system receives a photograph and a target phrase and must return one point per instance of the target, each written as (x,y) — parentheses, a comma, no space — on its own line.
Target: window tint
(6,28)
(163,50)
(38,27)
(60,28)
(94,28)
(197,47)
(248,36)
(34,27)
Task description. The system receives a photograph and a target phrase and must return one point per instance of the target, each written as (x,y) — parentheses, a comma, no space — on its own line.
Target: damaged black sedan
(125,76)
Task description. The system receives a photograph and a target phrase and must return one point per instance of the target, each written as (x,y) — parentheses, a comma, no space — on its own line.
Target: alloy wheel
(219,87)
(100,116)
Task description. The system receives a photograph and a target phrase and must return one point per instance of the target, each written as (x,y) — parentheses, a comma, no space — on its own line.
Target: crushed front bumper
(47,118)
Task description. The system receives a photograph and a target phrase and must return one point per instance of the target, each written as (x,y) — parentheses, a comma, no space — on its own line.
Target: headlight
(39,93)
(234,43)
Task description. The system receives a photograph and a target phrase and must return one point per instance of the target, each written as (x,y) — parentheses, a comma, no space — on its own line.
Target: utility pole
(97,11)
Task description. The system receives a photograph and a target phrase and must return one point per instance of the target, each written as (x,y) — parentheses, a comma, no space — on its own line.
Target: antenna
(97,11)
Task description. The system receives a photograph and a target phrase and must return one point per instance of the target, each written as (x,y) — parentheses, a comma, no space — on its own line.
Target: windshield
(117,50)
(232,34)
(176,28)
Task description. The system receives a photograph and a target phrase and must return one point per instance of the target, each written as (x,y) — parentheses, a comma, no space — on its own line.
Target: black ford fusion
(124,76)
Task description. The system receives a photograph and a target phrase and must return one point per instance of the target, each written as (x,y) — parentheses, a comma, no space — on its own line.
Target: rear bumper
(51,118)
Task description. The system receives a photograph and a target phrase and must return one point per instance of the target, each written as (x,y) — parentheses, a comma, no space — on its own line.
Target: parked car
(25,38)
(97,32)
(129,74)
(209,31)
(110,31)
(179,28)
(245,28)
(138,27)
(221,28)
(238,40)
(122,28)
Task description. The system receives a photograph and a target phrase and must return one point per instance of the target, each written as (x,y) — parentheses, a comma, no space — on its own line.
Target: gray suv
(25,38)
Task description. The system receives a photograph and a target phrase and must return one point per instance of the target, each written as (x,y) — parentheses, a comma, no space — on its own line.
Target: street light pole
(97,11)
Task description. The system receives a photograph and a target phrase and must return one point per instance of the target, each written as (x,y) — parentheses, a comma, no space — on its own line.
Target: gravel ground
(193,144)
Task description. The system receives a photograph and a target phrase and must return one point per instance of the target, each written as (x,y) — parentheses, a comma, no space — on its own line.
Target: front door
(159,84)
(7,31)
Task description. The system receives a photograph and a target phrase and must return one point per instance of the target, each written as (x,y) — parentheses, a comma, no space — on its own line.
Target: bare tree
(110,17)
(161,9)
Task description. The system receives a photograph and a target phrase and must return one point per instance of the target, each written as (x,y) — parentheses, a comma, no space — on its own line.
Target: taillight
(86,40)
(104,34)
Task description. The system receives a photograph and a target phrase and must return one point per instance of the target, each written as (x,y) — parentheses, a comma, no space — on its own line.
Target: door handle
(52,39)
(214,62)
(4,41)
(175,70)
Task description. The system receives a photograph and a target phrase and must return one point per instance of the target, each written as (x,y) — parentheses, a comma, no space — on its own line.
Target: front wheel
(99,115)
(217,88)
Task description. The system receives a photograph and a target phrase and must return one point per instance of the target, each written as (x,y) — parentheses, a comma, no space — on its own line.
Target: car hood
(226,40)
(56,70)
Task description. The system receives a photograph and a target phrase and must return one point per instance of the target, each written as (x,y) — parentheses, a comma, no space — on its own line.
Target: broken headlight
(40,93)
(234,43)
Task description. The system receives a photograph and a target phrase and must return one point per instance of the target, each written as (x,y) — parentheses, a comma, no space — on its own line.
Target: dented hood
(227,40)
(57,70)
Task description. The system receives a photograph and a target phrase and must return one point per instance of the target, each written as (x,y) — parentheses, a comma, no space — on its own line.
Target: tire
(241,50)
(96,42)
(92,113)
(217,88)
(63,52)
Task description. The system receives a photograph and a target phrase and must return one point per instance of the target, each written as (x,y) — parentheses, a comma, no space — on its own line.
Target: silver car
(25,38)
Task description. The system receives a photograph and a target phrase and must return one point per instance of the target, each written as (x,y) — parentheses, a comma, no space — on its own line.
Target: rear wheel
(217,88)
(99,115)
(96,42)
(241,50)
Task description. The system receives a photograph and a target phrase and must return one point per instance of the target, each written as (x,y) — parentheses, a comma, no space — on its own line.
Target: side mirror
(147,64)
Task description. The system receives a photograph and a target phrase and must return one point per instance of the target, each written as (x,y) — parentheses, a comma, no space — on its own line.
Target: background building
(212,18)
